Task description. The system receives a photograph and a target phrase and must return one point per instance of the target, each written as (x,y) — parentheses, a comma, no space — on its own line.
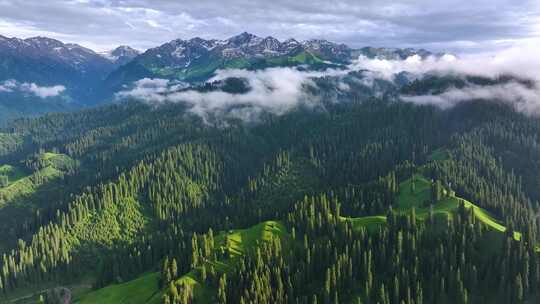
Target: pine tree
(518,289)
(222,289)
(174,269)
(165,272)
(173,291)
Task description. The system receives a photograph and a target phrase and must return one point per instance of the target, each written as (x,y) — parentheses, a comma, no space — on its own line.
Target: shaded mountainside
(159,207)
(49,62)
(42,75)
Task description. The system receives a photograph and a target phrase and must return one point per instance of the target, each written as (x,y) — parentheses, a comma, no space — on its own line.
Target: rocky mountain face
(87,74)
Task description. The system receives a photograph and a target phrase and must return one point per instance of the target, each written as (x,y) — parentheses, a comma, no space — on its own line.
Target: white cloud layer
(523,98)
(11,85)
(274,90)
(279,90)
(522,60)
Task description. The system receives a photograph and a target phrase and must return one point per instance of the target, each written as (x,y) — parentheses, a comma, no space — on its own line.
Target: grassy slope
(241,242)
(206,67)
(439,155)
(371,223)
(27,191)
(145,288)
(22,184)
(139,290)
(13,173)
(408,199)
(446,206)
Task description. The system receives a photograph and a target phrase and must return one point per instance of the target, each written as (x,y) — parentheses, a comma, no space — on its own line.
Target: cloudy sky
(449,25)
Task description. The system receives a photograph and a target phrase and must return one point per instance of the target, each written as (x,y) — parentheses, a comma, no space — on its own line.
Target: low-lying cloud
(273,90)
(522,97)
(521,62)
(279,90)
(11,85)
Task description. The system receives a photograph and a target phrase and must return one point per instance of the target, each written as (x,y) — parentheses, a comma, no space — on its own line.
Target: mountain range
(90,78)
(197,59)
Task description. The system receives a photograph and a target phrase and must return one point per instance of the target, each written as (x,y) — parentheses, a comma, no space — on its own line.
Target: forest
(371,201)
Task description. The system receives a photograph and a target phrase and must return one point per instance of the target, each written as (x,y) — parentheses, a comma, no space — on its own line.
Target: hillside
(25,186)
(20,182)
(144,185)
(238,243)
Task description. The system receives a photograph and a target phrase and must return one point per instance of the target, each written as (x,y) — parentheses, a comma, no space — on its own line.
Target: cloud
(273,90)
(523,98)
(148,90)
(279,90)
(520,60)
(43,92)
(11,85)
(8,86)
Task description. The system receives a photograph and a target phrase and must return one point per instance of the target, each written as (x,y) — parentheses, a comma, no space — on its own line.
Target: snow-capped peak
(121,55)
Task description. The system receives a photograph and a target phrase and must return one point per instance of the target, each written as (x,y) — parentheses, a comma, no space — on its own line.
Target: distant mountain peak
(393,53)
(291,41)
(121,55)
(43,39)
(124,50)
(245,38)
(44,43)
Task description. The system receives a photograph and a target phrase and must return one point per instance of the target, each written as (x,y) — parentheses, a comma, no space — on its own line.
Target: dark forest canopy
(360,202)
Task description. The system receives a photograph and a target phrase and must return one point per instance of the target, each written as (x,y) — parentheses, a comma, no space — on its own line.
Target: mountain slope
(49,62)
(197,59)
(239,243)
(41,75)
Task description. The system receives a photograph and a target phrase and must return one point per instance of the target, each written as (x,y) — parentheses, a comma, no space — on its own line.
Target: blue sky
(452,25)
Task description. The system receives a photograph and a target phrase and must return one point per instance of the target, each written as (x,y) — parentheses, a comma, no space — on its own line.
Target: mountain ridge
(91,78)
(197,59)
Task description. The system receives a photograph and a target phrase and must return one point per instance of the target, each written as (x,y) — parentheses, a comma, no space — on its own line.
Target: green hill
(449,203)
(241,242)
(29,186)
(140,290)
(145,288)
(417,199)
(22,182)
